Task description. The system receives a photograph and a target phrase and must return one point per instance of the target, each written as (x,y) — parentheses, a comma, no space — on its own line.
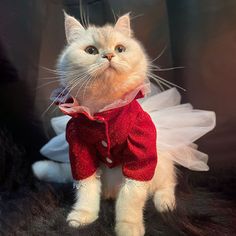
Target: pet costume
(130,139)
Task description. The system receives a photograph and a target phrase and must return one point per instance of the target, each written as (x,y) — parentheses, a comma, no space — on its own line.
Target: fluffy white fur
(130,195)
(97,82)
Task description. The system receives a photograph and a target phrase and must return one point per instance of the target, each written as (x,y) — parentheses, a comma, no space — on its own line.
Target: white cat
(99,66)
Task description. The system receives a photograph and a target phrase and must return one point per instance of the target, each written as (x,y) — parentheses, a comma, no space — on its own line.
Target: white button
(109,160)
(104,143)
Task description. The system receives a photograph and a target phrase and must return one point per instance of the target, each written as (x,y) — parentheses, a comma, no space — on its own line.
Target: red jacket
(123,136)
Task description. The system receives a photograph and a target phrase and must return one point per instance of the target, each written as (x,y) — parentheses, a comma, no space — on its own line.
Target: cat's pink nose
(108,56)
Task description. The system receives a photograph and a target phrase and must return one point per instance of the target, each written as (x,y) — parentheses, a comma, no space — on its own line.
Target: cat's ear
(73,28)
(123,25)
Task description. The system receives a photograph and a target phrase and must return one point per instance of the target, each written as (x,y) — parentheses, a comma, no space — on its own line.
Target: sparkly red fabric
(123,136)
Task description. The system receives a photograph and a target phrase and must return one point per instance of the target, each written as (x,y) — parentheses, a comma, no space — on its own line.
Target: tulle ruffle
(178,127)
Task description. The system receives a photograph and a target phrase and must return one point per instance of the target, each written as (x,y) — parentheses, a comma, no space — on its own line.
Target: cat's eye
(91,50)
(120,48)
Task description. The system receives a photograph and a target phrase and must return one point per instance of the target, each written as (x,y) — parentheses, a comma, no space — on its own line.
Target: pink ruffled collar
(71,106)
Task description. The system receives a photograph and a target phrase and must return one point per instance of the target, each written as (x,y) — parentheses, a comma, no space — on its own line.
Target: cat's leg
(51,171)
(111,181)
(86,207)
(163,185)
(129,208)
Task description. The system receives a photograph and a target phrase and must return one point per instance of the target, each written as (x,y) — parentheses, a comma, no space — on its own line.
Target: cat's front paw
(77,218)
(164,200)
(129,229)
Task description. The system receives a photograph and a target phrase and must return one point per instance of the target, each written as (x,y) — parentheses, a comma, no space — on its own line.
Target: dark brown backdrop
(199,35)
(203,39)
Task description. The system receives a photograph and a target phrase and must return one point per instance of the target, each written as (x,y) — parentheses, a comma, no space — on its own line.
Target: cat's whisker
(51,104)
(45,68)
(150,74)
(160,54)
(122,64)
(66,88)
(114,15)
(85,17)
(160,83)
(68,72)
(157,81)
(79,75)
(92,70)
(52,71)
(87,11)
(50,78)
(76,82)
(167,69)
(81,14)
(163,81)
(89,81)
(45,84)
(134,17)
(98,68)
(56,107)
(81,86)
(80,80)
(153,66)
(86,86)
(75,75)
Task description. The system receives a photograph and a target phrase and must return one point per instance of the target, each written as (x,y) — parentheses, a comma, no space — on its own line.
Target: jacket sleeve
(140,156)
(82,157)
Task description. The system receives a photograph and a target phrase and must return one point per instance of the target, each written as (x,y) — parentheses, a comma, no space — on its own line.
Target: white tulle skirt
(178,127)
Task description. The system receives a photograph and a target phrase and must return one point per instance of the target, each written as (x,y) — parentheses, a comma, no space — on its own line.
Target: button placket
(107,145)
(106,141)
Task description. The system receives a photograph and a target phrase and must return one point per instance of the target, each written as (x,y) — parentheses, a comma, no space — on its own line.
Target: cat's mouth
(111,67)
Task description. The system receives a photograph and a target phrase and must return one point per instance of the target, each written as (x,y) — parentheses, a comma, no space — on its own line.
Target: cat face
(101,60)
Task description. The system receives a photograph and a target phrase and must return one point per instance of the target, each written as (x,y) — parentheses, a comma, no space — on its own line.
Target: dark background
(199,35)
